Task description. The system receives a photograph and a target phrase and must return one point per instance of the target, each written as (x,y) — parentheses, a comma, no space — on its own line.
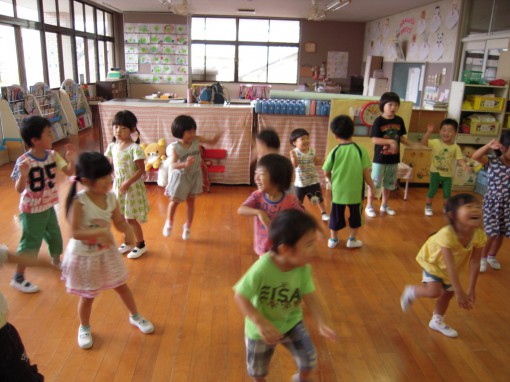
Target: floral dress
(134,203)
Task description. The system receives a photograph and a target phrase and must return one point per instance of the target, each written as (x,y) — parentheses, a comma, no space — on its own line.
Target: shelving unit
(16,105)
(75,106)
(111,89)
(459,110)
(50,107)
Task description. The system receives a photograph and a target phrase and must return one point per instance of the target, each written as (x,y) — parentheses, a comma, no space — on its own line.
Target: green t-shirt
(347,172)
(275,294)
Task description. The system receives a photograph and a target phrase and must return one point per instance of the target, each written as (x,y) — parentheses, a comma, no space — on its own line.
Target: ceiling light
(342,4)
(332,5)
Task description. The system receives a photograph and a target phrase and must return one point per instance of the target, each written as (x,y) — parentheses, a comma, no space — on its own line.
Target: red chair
(211,163)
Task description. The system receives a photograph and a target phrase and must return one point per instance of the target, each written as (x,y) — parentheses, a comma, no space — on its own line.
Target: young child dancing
(273,314)
(496,202)
(272,177)
(444,255)
(92,262)
(267,141)
(304,160)
(444,152)
(346,167)
(128,165)
(186,180)
(387,133)
(35,175)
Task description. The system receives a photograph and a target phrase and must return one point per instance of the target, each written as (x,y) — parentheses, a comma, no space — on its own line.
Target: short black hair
(388,97)
(33,127)
(451,122)
(342,127)
(296,134)
(280,170)
(269,137)
(289,226)
(455,202)
(181,124)
(505,138)
(125,118)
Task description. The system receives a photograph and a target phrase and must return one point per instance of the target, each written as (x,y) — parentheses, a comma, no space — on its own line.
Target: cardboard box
(484,103)
(15,150)
(477,127)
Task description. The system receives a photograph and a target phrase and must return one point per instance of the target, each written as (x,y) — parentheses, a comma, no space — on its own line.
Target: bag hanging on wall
(213,94)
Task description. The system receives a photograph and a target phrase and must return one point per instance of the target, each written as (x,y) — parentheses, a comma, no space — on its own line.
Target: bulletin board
(407,81)
(337,64)
(156,53)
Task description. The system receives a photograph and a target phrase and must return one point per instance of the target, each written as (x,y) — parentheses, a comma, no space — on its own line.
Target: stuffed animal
(468,152)
(155,153)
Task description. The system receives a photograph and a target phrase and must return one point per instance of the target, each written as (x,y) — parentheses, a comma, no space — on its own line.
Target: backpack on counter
(213,94)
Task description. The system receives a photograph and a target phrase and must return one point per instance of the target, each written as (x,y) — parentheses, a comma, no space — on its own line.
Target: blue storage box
(481,182)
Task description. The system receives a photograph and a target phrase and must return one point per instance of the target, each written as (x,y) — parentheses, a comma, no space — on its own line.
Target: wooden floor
(185,289)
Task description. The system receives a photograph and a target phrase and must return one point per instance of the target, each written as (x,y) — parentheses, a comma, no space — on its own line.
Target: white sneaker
(387,210)
(332,243)
(144,325)
(441,327)
(353,243)
(125,248)
(185,232)
(136,252)
(493,262)
(428,211)
(85,340)
(24,286)
(370,212)
(167,229)
(407,298)
(325,217)
(483,264)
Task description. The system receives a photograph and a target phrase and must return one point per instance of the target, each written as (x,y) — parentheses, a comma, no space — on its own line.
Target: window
(78,16)
(100,21)
(227,49)
(53,60)
(27,9)
(33,56)
(81,61)
(67,53)
(6,8)
(101,59)
(64,14)
(50,12)
(108,22)
(89,19)
(92,60)
(110,55)
(8,60)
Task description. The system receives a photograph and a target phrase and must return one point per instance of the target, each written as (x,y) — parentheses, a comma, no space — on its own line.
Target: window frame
(237,43)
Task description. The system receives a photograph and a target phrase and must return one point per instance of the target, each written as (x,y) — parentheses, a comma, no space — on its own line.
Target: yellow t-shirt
(430,256)
(443,156)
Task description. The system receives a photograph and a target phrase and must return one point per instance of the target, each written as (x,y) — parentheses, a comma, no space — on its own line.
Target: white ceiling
(358,10)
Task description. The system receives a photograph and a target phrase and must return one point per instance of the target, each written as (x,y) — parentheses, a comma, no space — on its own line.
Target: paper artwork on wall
(452,18)
(337,64)
(424,50)
(435,23)
(422,22)
(437,48)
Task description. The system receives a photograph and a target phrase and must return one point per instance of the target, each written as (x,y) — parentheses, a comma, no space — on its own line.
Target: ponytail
(137,136)
(70,196)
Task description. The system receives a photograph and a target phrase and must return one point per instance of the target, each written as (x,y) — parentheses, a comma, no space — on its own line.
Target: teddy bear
(468,152)
(155,154)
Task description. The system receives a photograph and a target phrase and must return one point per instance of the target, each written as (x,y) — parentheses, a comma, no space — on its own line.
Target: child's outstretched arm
(260,214)
(294,158)
(122,225)
(474,271)
(140,170)
(465,166)
(70,155)
(27,261)
(267,330)
(462,297)
(430,129)
(312,302)
(21,182)
(480,155)
(367,176)
(212,140)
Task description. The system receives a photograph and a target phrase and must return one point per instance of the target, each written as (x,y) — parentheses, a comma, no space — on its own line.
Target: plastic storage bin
(478,127)
(484,103)
(472,77)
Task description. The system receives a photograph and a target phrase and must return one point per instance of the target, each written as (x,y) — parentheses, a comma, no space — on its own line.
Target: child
(444,151)
(387,132)
(307,180)
(270,294)
(345,168)
(35,175)
(272,177)
(14,362)
(186,179)
(444,255)
(496,202)
(92,262)
(128,164)
(267,142)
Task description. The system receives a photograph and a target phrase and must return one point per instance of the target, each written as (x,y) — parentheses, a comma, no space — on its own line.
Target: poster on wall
(337,64)
(156,53)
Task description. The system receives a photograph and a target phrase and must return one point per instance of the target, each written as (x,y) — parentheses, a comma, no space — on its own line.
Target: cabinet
(466,102)
(75,105)
(112,89)
(419,160)
(484,56)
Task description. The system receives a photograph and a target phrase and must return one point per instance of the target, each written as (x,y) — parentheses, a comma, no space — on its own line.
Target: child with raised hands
(92,262)
(444,255)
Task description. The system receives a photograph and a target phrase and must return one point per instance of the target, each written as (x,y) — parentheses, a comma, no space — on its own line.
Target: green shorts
(385,175)
(435,181)
(38,227)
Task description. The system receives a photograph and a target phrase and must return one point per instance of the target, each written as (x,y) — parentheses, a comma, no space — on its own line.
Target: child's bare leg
(322,207)
(385,196)
(442,302)
(370,198)
(489,245)
(429,290)
(137,230)
(353,233)
(496,245)
(333,235)
(127,298)
(172,208)
(84,310)
(190,210)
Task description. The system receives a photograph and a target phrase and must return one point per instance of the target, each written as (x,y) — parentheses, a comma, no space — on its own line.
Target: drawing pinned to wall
(424,49)
(452,18)
(438,48)
(386,28)
(422,22)
(337,64)
(412,52)
(435,23)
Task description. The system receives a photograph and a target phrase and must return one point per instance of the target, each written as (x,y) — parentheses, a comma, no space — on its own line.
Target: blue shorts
(430,278)
(297,340)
